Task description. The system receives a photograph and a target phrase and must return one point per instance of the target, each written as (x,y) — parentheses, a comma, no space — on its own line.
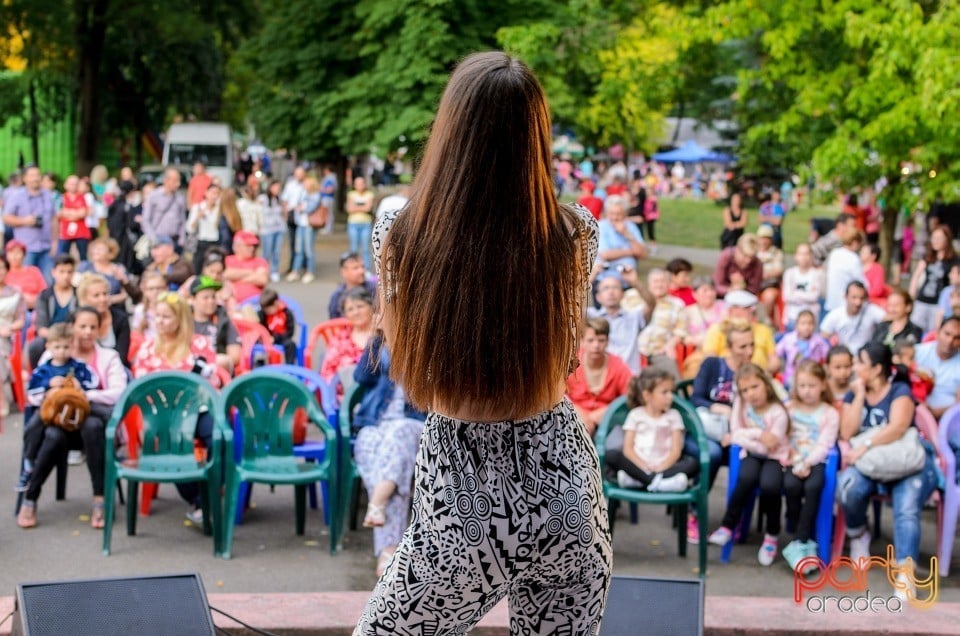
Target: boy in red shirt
(587,200)
(680,269)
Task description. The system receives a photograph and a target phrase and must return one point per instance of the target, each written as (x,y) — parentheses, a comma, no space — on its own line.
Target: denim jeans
(41,259)
(909,494)
(271,249)
(359,234)
(304,249)
(63,247)
(719,456)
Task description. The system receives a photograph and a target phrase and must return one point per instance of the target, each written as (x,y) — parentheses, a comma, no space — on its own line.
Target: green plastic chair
(349,475)
(262,406)
(696,496)
(684,389)
(170,402)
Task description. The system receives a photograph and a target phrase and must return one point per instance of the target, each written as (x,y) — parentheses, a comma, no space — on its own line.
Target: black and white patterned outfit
(511,508)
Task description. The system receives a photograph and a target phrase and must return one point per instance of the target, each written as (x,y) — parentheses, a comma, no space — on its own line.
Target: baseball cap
(765,231)
(740,298)
(162,240)
(246,237)
(204,282)
(15,244)
(589,186)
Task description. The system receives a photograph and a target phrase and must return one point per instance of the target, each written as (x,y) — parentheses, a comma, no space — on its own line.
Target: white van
(210,143)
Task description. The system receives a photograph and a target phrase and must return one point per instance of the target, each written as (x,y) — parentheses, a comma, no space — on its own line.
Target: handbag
(318,218)
(893,461)
(715,425)
(65,406)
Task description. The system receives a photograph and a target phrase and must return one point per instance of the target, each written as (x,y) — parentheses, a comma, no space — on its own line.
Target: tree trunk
(34,124)
(889,225)
(91,32)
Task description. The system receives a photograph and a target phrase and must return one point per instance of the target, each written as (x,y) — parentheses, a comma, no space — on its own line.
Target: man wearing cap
(164,259)
(854,322)
(589,200)
(165,210)
(353,274)
(740,306)
(30,212)
(625,324)
(211,321)
(739,267)
(248,272)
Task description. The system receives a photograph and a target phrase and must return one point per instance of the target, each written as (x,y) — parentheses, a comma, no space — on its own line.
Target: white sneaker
(307,278)
(768,550)
(274,277)
(904,588)
(626,481)
(292,277)
(75,458)
(677,483)
(860,547)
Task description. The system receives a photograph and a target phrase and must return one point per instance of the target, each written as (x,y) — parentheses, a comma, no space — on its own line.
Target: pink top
(242,290)
(876,284)
(148,361)
(746,425)
(341,352)
(652,436)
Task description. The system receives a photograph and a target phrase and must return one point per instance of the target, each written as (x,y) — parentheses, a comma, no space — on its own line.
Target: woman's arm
(706,377)
(852,412)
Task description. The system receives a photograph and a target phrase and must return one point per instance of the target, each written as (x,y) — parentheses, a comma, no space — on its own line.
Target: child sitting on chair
(653,438)
(280,322)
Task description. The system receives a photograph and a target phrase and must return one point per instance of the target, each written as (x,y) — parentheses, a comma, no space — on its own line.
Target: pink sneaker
(693,530)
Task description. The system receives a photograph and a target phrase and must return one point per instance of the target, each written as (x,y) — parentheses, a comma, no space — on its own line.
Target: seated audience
(666,324)
(679,270)
(213,266)
(248,273)
(876,280)
(110,380)
(803,343)
(277,318)
(601,377)
(651,457)
(940,360)
(152,284)
(741,305)
(588,200)
(823,246)
(621,242)
(93,290)
(843,267)
(771,258)
(839,366)
(854,322)
(880,401)
(739,268)
(897,325)
(931,275)
(387,440)
(803,286)
(164,260)
(344,351)
(102,254)
(28,279)
(211,321)
(13,316)
(945,304)
(353,274)
(706,312)
(56,304)
(625,324)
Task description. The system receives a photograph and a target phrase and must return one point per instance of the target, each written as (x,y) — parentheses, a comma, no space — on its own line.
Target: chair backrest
(950,427)
(927,426)
(299,316)
(264,405)
(351,400)
(315,384)
(614,416)
(325,331)
(251,334)
(169,403)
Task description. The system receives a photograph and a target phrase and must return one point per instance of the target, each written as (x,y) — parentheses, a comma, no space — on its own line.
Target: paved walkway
(269,557)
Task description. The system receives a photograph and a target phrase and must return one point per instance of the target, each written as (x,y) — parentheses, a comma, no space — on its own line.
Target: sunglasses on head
(170,297)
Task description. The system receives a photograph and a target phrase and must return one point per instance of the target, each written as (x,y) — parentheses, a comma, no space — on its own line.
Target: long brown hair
(482,278)
(228,208)
(949,254)
(751,370)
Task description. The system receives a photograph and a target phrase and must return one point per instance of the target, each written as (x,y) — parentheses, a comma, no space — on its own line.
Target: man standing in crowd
(625,324)
(833,239)
(292,195)
(165,210)
(328,195)
(30,212)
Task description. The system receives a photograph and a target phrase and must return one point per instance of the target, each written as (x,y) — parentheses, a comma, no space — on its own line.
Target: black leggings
(687,465)
(803,500)
(57,441)
(190,491)
(768,475)
(648,226)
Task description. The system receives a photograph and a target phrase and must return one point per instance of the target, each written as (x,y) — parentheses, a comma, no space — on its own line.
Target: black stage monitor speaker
(654,607)
(149,606)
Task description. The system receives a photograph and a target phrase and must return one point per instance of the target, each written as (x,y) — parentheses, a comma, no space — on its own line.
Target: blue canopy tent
(692,152)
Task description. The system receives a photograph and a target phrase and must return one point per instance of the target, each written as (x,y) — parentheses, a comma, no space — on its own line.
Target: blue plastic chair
(823,527)
(298,315)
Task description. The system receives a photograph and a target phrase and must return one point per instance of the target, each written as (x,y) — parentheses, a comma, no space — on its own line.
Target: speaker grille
(174,605)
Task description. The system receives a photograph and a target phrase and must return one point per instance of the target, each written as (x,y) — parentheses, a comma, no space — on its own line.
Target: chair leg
(231,513)
(205,505)
(680,512)
(877,509)
(123,502)
(300,503)
(244,494)
(150,491)
(215,505)
(132,494)
(702,525)
(108,512)
(634,513)
(62,468)
(839,534)
(354,503)
(612,506)
(950,508)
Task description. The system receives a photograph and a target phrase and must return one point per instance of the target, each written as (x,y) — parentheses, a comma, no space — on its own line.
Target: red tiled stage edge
(335,613)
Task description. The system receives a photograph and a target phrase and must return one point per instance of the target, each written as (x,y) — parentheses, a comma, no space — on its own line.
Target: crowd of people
(784,361)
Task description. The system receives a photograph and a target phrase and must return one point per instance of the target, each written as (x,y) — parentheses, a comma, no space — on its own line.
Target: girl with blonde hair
(483,279)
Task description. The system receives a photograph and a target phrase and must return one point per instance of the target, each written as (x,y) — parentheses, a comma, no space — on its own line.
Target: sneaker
(293,277)
(793,552)
(810,550)
(693,530)
(860,547)
(721,536)
(75,457)
(307,278)
(677,483)
(195,517)
(626,481)
(768,550)
(904,589)
(274,277)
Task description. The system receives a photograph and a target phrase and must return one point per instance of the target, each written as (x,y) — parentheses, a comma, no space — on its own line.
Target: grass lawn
(699,223)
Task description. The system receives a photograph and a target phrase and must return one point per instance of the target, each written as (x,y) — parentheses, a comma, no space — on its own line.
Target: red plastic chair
(251,335)
(327,330)
(16,372)
(136,341)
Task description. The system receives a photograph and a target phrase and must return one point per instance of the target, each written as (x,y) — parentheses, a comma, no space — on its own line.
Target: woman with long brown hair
(483,277)
(930,276)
